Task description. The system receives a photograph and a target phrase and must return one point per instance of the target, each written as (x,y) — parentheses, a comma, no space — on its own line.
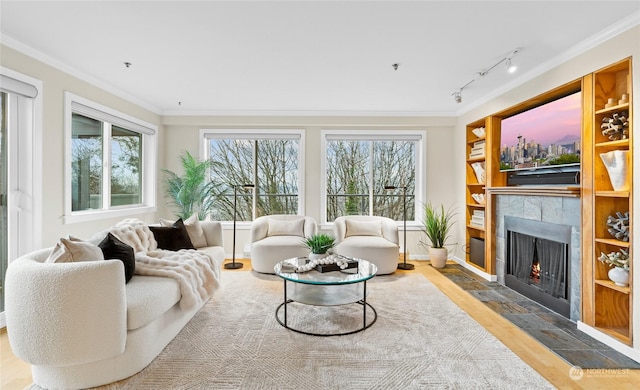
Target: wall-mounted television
(543,138)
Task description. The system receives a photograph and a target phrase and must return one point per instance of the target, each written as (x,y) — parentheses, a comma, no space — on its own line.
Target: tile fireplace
(546,230)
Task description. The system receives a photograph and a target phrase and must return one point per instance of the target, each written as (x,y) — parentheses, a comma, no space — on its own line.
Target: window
(110,163)
(270,160)
(359,165)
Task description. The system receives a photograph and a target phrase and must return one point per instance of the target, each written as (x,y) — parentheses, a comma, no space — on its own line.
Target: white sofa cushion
(381,252)
(69,251)
(286,228)
(194,230)
(148,297)
(363,228)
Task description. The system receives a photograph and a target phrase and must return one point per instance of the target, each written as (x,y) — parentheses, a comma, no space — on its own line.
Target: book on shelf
(477,218)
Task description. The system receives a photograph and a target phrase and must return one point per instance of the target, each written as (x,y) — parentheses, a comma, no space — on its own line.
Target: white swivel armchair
(278,237)
(369,238)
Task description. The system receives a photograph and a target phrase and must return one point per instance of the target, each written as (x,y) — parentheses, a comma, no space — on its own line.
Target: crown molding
(307,113)
(623,25)
(61,66)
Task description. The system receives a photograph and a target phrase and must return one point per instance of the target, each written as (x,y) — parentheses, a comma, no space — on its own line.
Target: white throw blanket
(191,268)
(194,270)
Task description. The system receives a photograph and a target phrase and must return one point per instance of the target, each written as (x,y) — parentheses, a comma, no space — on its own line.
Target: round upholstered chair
(278,237)
(370,238)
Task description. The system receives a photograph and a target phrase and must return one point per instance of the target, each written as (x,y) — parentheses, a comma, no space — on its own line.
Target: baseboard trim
(610,341)
(475,270)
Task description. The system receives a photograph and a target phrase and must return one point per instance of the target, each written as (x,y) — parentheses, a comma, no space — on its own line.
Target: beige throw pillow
(194,230)
(294,227)
(68,251)
(363,228)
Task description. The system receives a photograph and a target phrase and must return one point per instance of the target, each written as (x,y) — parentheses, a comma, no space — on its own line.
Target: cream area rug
(421,340)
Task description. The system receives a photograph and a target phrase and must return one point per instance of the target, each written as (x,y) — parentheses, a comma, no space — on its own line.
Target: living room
(443,131)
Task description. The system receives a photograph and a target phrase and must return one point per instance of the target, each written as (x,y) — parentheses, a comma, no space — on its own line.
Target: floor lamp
(404,265)
(233,264)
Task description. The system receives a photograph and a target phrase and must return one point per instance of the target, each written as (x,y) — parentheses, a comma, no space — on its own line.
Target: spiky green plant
(193,192)
(320,243)
(437,224)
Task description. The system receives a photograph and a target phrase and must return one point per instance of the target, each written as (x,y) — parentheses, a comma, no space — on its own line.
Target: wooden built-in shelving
(605,305)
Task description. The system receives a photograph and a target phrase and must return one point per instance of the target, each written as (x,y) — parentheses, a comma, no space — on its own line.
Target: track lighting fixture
(511,68)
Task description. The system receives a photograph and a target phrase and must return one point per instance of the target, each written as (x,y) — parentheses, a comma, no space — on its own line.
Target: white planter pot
(619,276)
(438,257)
(616,163)
(317,256)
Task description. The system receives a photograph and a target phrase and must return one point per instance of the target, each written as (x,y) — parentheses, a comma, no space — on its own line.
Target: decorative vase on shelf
(619,276)
(616,163)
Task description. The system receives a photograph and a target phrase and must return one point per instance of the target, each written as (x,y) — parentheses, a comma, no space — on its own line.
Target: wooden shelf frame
(605,305)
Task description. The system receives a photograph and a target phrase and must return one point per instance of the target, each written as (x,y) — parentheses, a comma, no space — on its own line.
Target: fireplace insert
(538,262)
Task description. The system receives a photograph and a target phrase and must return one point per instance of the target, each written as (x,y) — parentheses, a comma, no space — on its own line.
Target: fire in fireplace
(537,261)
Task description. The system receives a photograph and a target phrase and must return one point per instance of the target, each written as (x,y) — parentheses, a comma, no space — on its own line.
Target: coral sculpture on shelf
(619,226)
(616,259)
(616,127)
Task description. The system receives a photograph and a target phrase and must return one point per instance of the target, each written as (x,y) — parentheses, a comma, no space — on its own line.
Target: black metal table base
(362,302)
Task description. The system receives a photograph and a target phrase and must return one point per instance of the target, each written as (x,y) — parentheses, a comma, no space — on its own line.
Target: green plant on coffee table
(320,243)
(616,259)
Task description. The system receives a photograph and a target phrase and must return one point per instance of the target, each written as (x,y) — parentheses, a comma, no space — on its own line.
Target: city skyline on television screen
(558,122)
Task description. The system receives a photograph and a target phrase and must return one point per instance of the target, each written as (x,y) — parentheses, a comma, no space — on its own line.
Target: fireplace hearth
(537,261)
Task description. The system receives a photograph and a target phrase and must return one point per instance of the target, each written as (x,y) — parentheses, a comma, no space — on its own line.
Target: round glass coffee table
(332,288)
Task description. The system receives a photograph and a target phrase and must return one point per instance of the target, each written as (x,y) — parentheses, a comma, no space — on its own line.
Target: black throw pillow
(172,238)
(112,248)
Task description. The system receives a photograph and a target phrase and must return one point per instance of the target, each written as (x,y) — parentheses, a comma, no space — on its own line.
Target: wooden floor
(15,374)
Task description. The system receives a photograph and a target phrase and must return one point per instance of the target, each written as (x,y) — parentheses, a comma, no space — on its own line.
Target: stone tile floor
(554,331)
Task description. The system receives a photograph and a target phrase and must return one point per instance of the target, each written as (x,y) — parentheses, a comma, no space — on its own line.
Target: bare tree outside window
(86,163)
(126,167)
(358,171)
(270,164)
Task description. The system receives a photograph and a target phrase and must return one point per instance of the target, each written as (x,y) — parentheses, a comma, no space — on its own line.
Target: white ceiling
(308,57)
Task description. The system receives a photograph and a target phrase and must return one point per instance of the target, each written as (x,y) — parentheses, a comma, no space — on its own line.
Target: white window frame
(206,134)
(378,135)
(79,105)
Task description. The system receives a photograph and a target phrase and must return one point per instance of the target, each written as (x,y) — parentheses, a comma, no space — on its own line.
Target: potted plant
(437,224)
(193,192)
(619,263)
(319,245)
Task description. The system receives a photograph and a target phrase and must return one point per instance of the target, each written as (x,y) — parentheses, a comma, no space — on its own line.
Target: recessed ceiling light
(127,64)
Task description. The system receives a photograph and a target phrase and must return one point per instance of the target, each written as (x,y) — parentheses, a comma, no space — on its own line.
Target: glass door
(3,195)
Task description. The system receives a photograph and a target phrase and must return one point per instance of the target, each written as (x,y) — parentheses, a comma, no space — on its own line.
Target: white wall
(182,133)
(55,83)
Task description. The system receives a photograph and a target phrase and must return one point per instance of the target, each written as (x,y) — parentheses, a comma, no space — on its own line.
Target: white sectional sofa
(79,325)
